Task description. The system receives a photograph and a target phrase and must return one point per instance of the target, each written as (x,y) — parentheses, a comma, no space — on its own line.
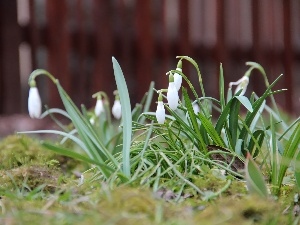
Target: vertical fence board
(145,46)
(80,77)
(10,88)
(165,55)
(103,78)
(288,55)
(58,46)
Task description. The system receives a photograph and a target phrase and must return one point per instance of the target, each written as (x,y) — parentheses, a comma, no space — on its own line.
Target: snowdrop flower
(34,102)
(160,112)
(241,84)
(196,108)
(92,120)
(116,109)
(99,107)
(172,94)
(178,77)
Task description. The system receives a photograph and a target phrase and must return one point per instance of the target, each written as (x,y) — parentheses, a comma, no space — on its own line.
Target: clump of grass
(229,133)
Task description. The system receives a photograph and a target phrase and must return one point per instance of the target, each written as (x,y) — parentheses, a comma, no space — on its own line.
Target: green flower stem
(257,66)
(37,72)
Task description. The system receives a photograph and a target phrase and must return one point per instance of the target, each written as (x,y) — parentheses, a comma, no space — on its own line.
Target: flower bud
(196,108)
(116,109)
(172,94)
(160,112)
(178,77)
(34,103)
(99,107)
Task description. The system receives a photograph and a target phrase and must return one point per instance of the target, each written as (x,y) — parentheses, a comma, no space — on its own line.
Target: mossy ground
(39,187)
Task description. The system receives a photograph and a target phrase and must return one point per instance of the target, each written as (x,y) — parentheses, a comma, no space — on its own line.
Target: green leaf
(254,178)
(259,136)
(74,155)
(126,115)
(297,169)
(193,118)
(221,87)
(234,120)
(291,148)
(256,107)
(211,130)
(245,101)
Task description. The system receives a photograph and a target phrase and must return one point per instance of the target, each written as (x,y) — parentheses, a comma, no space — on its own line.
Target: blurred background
(75,40)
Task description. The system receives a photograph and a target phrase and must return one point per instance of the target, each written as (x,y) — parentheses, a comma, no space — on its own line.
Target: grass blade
(126,115)
(254,179)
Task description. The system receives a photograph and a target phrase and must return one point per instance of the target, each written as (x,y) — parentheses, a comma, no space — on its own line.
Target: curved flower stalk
(178,77)
(241,84)
(34,102)
(160,111)
(117,109)
(172,94)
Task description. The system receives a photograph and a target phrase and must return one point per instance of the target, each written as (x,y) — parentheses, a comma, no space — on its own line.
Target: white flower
(178,79)
(34,103)
(196,108)
(92,120)
(160,112)
(116,109)
(172,96)
(241,84)
(99,107)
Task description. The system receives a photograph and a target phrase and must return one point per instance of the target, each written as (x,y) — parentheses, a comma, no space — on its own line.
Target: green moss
(18,150)
(31,177)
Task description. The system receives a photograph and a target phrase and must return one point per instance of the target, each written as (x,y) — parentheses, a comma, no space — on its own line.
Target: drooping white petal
(172,96)
(241,84)
(34,103)
(99,107)
(160,112)
(178,79)
(116,109)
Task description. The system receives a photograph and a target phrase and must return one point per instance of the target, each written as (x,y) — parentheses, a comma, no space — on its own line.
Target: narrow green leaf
(254,149)
(245,101)
(233,120)
(66,152)
(211,130)
(291,148)
(126,115)
(297,169)
(254,179)
(193,118)
(221,87)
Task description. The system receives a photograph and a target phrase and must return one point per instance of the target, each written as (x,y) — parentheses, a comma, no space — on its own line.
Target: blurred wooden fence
(75,40)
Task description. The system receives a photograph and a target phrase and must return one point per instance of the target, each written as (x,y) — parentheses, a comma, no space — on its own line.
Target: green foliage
(220,135)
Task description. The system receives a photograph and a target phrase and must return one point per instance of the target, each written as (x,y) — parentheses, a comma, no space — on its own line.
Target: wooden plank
(103,79)
(123,49)
(34,38)
(257,49)
(145,47)
(80,68)
(10,87)
(288,56)
(58,46)
(184,35)
(165,57)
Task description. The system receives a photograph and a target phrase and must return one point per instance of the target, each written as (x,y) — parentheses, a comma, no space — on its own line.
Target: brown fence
(75,40)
